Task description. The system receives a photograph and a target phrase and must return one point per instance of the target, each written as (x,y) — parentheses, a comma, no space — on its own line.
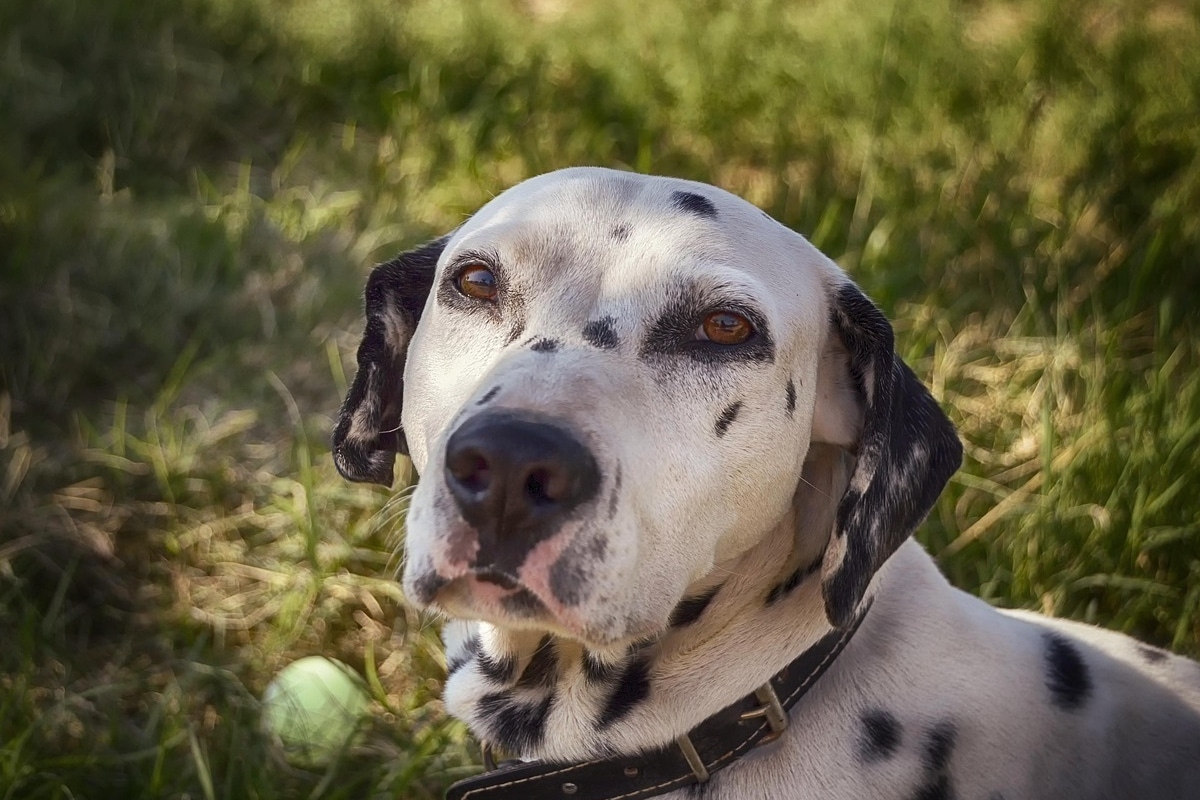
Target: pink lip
(472,597)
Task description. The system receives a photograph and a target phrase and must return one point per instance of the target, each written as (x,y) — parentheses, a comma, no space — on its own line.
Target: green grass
(191,194)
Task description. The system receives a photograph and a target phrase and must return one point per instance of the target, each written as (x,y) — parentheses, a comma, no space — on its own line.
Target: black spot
(601,333)
(427,585)
(491,394)
(1067,675)
(498,669)
(790,405)
(880,736)
(521,603)
(674,332)
(1152,654)
(694,204)
(470,651)
(515,332)
(940,746)
(571,573)
(937,788)
(542,669)
(727,417)
(690,608)
(514,726)
(596,671)
(544,346)
(938,749)
(619,233)
(614,499)
(793,580)
(632,688)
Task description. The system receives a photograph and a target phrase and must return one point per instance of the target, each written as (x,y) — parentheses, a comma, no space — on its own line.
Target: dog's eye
(725,327)
(477,281)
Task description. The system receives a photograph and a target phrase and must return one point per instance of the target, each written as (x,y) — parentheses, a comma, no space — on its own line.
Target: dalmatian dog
(666,449)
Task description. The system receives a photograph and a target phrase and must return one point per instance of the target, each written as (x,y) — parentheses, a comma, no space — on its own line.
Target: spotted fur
(604,634)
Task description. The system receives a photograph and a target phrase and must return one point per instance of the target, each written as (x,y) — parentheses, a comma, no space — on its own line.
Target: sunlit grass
(190,196)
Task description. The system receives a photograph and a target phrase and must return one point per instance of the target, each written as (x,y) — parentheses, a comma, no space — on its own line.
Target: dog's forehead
(612,225)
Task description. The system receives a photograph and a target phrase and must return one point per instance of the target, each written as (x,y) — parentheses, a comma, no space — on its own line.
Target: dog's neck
(537,696)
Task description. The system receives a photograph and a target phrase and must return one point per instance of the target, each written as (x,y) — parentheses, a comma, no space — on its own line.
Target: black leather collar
(714,744)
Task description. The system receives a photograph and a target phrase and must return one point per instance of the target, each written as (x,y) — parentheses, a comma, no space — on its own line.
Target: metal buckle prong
(772,709)
(693,758)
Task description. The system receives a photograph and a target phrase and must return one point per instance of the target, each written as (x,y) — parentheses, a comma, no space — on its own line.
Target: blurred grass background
(191,193)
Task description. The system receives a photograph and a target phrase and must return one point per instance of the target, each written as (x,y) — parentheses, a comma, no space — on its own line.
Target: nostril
(537,487)
(472,471)
(547,486)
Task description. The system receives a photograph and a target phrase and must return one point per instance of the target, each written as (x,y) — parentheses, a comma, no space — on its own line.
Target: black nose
(515,479)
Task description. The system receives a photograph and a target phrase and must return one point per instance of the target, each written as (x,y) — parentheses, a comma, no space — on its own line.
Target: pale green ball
(314,707)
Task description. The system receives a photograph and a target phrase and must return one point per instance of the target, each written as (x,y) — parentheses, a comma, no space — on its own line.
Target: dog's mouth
(495,596)
(502,579)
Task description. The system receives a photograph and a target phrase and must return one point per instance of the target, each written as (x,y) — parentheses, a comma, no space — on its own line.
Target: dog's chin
(503,601)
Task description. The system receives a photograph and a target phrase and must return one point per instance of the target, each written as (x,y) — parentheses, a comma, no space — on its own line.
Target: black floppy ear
(368,435)
(906,448)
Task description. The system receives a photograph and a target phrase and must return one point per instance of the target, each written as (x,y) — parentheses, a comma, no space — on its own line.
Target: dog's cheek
(438,380)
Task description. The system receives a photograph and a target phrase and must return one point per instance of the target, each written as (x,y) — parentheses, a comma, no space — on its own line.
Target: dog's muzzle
(515,480)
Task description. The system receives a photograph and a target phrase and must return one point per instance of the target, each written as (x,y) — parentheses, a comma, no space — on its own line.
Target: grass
(191,194)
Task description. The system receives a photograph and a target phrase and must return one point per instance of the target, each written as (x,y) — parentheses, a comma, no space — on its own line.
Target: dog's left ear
(368,434)
(906,449)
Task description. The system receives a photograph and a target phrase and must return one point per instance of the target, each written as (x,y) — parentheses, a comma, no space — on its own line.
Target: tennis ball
(314,707)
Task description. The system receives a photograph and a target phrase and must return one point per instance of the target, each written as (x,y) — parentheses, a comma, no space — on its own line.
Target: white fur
(696,510)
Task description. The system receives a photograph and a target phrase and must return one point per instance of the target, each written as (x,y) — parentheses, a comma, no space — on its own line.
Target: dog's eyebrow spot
(487,398)
(1152,654)
(790,404)
(601,333)
(544,346)
(632,688)
(673,333)
(514,726)
(694,204)
(880,735)
(1067,675)
(619,233)
(690,608)
(727,417)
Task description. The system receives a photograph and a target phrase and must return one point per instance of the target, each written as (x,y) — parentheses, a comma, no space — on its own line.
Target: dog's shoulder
(1123,659)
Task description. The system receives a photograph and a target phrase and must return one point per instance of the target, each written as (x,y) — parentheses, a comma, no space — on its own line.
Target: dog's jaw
(538,695)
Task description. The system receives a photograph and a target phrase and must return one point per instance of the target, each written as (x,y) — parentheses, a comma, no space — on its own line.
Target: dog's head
(609,383)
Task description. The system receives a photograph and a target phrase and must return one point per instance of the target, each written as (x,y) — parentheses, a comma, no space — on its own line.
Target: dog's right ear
(368,434)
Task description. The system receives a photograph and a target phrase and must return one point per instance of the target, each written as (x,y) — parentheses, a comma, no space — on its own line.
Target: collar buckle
(693,758)
(489,756)
(772,709)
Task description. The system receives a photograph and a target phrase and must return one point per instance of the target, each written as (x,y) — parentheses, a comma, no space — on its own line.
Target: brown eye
(725,327)
(477,281)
